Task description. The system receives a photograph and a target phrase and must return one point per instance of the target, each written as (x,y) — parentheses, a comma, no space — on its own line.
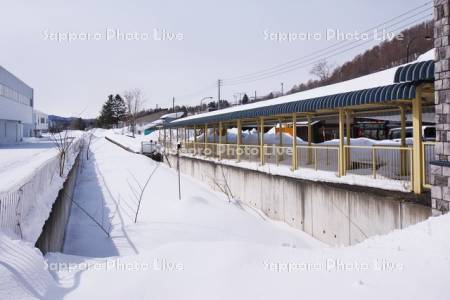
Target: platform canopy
(382,87)
(420,71)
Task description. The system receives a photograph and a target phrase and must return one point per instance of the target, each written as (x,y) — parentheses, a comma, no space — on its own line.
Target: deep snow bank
(23,272)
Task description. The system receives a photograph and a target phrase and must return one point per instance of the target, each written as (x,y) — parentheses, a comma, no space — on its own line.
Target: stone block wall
(440,191)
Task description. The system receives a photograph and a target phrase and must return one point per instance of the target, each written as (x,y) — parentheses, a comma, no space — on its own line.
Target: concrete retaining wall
(54,231)
(336,214)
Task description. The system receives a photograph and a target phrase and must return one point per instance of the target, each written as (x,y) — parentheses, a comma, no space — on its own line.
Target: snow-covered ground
(123,137)
(108,185)
(18,160)
(250,137)
(205,247)
(30,182)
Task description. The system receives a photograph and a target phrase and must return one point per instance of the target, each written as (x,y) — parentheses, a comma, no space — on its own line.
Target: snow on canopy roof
(376,87)
(175,115)
(152,124)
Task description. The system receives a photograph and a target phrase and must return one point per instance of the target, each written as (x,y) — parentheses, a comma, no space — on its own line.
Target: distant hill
(58,122)
(386,55)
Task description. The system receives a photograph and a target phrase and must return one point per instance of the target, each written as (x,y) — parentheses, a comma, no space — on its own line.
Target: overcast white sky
(221,39)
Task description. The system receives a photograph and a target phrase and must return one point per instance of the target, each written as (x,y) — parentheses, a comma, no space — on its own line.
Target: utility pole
(282,89)
(219,83)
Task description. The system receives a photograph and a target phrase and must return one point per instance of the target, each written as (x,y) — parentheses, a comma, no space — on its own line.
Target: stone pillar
(440,168)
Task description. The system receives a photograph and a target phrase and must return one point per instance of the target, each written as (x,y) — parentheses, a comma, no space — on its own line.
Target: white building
(40,121)
(16,108)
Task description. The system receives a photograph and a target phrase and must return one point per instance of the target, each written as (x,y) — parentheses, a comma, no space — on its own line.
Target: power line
(338,43)
(316,56)
(200,91)
(302,64)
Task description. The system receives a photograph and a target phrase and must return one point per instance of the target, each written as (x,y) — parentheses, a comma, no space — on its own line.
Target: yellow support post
(205,139)
(341,143)
(403,164)
(238,140)
(348,135)
(195,139)
(261,141)
(165,140)
(417,142)
(226,134)
(219,148)
(309,118)
(280,156)
(294,142)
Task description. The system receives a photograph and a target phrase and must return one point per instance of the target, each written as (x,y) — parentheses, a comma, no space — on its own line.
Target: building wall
(16,113)
(440,169)
(40,121)
(9,131)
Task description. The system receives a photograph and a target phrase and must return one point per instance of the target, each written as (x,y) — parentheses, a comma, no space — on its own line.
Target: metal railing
(382,162)
(324,158)
(378,161)
(279,155)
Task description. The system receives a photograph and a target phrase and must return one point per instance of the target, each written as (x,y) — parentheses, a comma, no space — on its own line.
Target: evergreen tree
(119,109)
(113,111)
(107,115)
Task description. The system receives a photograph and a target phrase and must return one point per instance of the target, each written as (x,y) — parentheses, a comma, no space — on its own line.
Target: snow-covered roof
(383,78)
(175,115)
(152,124)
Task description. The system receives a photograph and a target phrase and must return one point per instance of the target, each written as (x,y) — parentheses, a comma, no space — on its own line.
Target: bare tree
(322,69)
(62,142)
(139,195)
(134,100)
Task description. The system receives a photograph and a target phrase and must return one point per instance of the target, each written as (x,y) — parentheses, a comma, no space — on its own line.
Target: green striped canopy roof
(405,80)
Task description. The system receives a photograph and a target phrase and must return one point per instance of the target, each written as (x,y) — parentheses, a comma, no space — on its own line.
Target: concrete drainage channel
(54,231)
